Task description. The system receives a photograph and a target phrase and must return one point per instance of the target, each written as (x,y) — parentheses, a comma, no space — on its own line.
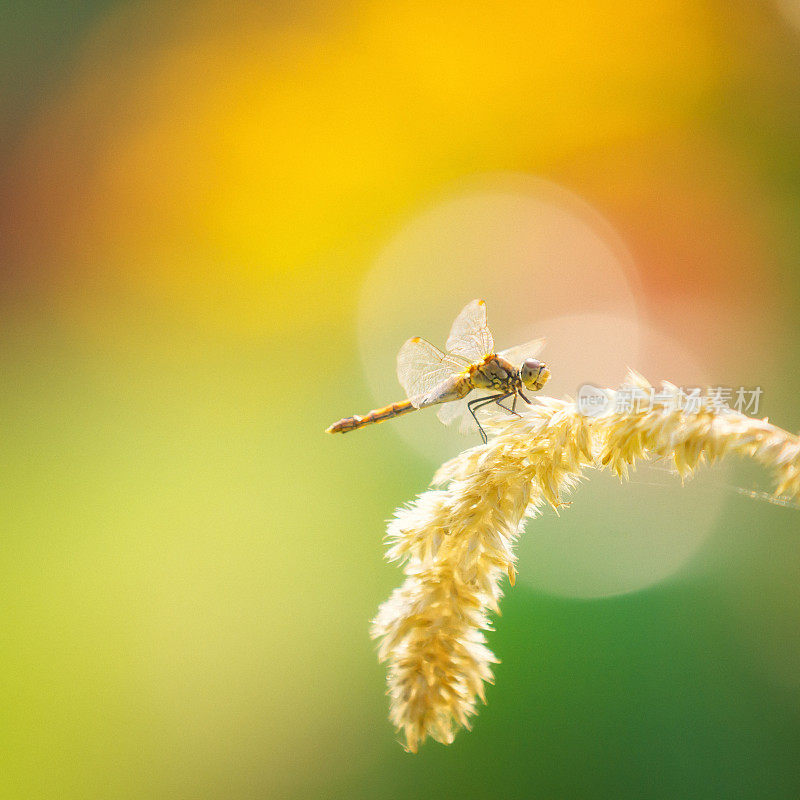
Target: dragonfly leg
(511,410)
(478,402)
(519,392)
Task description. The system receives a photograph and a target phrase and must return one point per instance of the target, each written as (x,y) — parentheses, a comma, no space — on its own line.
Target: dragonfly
(466,378)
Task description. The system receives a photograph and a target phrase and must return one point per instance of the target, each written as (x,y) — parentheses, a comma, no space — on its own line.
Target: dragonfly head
(534,374)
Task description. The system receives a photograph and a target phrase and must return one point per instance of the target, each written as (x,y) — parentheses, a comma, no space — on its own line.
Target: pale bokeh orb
(617,537)
(547,264)
(530,248)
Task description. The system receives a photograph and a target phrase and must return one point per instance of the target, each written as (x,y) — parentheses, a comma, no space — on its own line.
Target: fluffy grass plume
(456,542)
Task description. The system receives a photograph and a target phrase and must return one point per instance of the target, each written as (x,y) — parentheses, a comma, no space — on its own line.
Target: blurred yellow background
(218,222)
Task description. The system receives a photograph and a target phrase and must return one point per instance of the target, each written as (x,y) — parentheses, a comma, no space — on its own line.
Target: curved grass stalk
(456,543)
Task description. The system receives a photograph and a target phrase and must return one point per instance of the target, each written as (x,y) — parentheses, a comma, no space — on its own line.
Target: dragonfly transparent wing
(470,336)
(421,367)
(457,413)
(516,355)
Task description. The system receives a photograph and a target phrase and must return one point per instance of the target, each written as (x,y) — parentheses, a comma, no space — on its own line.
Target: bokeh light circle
(530,248)
(617,538)
(547,265)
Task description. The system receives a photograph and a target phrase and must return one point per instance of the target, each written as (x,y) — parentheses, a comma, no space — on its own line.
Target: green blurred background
(218,222)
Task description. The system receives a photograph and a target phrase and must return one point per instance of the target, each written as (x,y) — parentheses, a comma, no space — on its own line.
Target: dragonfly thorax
(495,373)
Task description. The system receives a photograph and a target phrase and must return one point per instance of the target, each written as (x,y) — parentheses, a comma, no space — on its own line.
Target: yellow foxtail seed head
(456,543)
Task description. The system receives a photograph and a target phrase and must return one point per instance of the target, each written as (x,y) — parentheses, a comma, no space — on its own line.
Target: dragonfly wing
(470,336)
(516,355)
(450,412)
(421,367)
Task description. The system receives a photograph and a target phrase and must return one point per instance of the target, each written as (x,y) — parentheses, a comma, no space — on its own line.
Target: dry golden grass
(456,543)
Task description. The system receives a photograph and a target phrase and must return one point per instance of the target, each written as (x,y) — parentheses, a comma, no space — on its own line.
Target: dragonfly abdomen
(374,416)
